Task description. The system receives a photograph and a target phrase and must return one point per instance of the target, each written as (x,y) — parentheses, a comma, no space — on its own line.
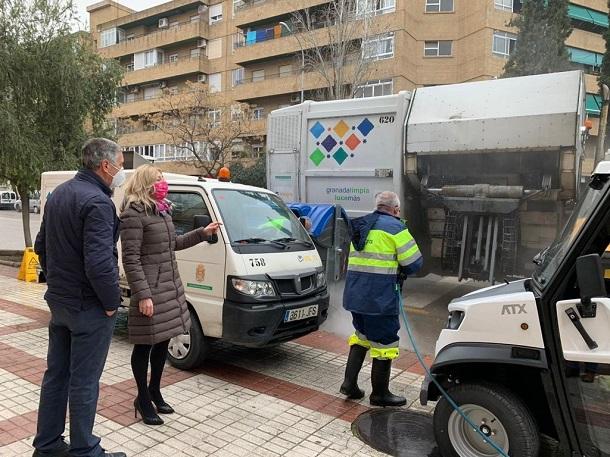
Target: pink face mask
(160,190)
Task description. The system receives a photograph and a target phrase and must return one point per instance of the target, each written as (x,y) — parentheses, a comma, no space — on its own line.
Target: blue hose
(443,392)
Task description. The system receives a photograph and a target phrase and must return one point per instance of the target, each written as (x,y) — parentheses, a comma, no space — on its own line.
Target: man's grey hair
(386,199)
(97,149)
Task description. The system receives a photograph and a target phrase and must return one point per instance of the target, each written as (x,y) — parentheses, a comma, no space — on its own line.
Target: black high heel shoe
(162,407)
(148,420)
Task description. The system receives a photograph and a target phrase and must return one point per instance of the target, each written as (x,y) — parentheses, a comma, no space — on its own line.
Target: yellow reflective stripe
(384,353)
(359,339)
(376,270)
(410,258)
(372,255)
(373,262)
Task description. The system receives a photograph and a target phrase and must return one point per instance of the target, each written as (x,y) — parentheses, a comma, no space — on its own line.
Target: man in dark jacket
(77,250)
(382,252)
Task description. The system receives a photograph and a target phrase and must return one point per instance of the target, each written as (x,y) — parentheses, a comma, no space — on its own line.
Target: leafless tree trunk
(333,40)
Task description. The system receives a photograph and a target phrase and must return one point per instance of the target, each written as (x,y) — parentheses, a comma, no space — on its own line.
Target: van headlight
(321,279)
(253,288)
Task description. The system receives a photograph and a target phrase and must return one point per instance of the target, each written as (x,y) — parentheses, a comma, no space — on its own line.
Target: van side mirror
(590,275)
(201,221)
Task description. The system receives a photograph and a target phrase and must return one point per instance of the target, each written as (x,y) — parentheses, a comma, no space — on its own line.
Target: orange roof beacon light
(588,124)
(224,174)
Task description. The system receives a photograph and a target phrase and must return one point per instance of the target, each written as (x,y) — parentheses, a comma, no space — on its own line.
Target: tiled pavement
(266,402)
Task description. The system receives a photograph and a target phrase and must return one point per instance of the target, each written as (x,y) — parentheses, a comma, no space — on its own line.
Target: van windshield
(550,259)
(258,217)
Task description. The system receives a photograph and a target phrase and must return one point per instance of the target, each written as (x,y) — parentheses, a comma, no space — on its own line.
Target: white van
(7,199)
(262,283)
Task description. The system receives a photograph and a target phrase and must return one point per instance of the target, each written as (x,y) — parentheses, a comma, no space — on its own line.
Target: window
(215,13)
(130,98)
(173,58)
(258,75)
(375,6)
(214,117)
(111,37)
(439,6)
(151,92)
(186,205)
(214,48)
(153,57)
(195,53)
(215,82)
(258,149)
(237,76)
(239,40)
(375,88)
(285,70)
(379,47)
(258,113)
(505,5)
(438,48)
(503,43)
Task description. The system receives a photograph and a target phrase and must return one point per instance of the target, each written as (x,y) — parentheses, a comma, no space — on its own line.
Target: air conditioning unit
(202,9)
(202,78)
(295,98)
(163,23)
(134,90)
(202,43)
(163,84)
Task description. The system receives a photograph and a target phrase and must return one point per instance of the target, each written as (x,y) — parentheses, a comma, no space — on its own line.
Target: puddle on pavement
(397,432)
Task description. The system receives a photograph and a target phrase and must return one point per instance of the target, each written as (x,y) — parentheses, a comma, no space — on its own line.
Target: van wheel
(499,414)
(188,351)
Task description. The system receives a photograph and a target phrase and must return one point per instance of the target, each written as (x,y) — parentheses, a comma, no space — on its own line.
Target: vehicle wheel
(188,351)
(497,411)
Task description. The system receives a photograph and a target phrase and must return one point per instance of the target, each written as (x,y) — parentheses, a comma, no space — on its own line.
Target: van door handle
(575,318)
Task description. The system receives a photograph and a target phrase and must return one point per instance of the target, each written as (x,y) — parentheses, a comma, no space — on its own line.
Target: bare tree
(335,42)
(204,125)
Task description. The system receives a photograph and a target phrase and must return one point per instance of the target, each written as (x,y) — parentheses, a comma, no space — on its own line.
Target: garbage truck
(487,171)
(531,358)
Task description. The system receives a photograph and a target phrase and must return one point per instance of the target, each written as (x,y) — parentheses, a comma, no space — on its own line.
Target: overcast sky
(81,6)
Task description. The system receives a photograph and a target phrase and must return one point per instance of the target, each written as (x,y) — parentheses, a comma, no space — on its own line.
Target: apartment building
(246,50)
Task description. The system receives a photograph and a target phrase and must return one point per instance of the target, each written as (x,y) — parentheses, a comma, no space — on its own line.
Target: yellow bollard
(28,271)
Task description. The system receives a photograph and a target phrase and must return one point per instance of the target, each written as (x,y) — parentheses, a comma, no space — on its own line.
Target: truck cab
(261,283)
(531,358)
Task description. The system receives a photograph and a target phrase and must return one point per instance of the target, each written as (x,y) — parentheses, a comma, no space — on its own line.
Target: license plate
(301,313)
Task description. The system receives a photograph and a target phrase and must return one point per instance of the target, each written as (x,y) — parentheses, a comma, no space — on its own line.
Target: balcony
(164,9)
(252,11)
(279,84)
(182,32)
(182,66)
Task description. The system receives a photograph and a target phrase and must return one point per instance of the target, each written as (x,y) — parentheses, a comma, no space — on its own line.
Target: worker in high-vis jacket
(382,253)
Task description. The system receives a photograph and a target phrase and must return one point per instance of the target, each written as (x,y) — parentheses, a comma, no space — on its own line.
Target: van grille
(292,287)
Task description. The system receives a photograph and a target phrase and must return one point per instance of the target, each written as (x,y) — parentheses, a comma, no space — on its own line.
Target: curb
(8,263)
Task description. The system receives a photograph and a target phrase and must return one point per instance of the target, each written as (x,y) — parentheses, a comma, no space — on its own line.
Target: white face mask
(119,178)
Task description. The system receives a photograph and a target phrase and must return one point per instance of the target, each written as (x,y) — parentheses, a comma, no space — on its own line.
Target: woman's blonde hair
(139,187)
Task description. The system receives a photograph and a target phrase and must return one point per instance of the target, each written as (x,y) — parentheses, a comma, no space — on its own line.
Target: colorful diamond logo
(340,156)
(352,142)
(317,157)
(341,128)
(329,143)
(317,130)
(366,126)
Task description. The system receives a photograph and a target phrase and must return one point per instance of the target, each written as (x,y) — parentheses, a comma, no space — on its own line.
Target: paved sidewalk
(282,401)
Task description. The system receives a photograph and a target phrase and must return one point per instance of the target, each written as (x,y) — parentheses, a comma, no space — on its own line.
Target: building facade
(246,50)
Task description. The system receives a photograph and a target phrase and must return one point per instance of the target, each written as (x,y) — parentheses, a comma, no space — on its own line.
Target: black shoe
(157,399)
(380,380)
(115,454)
(61,451)
(149,417)
(355,360)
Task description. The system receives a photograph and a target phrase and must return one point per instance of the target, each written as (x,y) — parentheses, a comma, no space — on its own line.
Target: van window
(186,205)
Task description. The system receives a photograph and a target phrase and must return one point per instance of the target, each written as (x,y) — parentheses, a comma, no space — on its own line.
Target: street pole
(302,62)
(603,122)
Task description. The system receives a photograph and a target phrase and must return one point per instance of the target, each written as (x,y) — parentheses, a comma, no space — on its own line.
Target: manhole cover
(397,432)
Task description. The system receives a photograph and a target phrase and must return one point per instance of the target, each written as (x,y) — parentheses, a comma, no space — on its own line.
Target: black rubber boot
(380,380)
(355,360)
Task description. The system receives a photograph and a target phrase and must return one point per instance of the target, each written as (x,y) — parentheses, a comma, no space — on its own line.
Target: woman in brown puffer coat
(158,309)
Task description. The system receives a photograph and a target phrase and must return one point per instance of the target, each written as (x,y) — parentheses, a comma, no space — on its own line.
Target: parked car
(34,205)
(7,199)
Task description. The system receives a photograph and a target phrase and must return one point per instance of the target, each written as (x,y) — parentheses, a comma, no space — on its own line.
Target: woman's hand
(146,307)
(211,229)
